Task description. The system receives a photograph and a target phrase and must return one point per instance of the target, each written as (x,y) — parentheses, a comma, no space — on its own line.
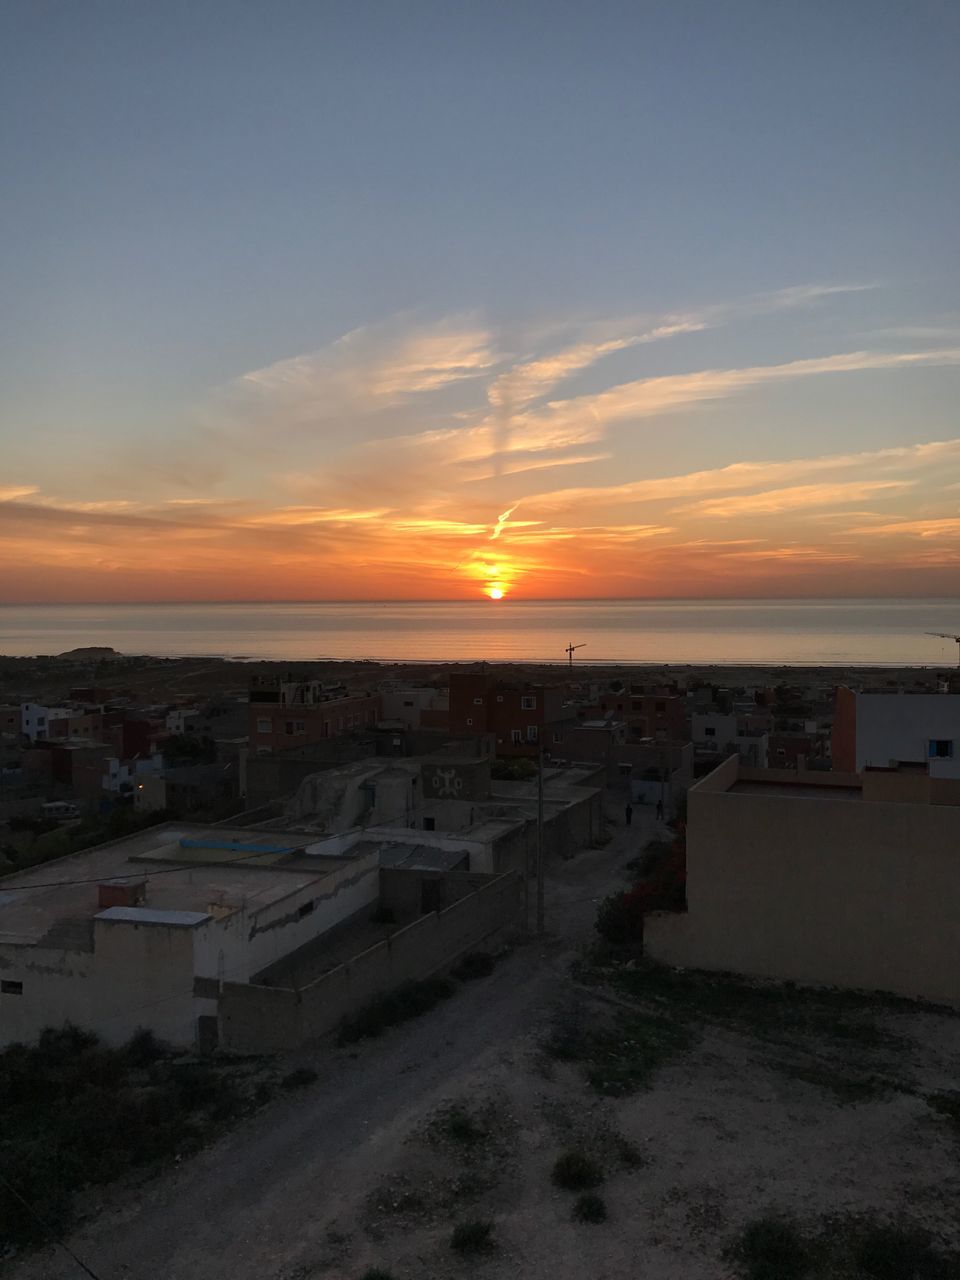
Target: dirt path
(260,1200)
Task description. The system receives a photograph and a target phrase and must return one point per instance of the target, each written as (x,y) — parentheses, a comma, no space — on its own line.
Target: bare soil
(461,1115)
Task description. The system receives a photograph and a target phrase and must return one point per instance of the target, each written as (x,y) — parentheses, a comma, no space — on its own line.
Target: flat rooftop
(797,790)
(187,868)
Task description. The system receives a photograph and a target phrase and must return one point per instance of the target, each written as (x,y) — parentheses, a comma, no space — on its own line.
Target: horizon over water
(807,632)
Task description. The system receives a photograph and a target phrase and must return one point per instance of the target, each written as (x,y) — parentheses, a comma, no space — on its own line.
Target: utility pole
(540,844)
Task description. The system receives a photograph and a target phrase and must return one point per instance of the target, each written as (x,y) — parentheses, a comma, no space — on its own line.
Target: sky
(345,299)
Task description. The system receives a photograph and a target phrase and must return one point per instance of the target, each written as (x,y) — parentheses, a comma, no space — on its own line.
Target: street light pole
(540,844)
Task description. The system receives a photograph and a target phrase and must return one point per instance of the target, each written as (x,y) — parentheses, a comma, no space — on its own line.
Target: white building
(35,719)
(880,730)
(142,932)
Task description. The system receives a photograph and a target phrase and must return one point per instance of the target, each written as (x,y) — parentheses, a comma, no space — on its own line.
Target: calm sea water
(798,632)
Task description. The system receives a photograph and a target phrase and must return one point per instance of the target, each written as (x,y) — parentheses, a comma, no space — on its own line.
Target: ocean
(736,632)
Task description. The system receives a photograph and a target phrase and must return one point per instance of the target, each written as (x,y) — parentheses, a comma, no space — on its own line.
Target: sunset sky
(430,300)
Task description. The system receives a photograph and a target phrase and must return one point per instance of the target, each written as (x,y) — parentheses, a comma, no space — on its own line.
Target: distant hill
(95,653)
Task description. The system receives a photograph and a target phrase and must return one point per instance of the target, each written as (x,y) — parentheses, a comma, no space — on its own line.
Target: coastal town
(264,862)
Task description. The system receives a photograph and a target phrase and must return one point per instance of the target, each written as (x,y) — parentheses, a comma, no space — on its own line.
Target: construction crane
(948,635)
(570,648)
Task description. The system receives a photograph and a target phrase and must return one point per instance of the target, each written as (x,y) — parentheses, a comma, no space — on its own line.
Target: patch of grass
(76,1113)
(475,1236)
(628,1153)
(847,1089)
(590,1208)
(460,1127)
(773,1248)
(625,1058)
(475,964)
(576,1171)
(947,1104)
(847,1247)
(300,1078)
(409,1000)
(774,1010)
(891,1252)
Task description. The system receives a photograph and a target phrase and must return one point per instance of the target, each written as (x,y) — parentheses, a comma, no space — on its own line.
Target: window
(300,726)
(528,702)
(429,824)
(659,707)
(478,702)
(941,748)
(408,704)
(557,737)
(532,733)
(469,720)
(264,724)
(709,732)
(499,697)
(516,737)
(8,988)
(305,909)
(288,727)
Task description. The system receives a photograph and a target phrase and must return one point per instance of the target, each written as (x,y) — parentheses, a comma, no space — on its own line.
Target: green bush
(576,1171)
(590,1208)
(475,964)
(472,1237)
(620,919)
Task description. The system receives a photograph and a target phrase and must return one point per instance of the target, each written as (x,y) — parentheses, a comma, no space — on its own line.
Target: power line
(48,1229)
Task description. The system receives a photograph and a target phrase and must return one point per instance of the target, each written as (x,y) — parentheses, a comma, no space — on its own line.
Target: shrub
(773,1249)
(143,1048)
(475,964)
(620,919)
(590,1208)
(299,1078)
(472,1237)
(406,1001)
(460,1126)
(575,1171)
(891,1252)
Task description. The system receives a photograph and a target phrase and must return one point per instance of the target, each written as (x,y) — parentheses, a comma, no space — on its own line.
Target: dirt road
(258,1204)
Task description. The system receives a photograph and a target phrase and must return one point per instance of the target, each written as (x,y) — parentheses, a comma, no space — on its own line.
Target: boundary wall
(256,1019)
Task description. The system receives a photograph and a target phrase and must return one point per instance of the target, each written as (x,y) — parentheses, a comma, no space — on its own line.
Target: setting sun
(495,593)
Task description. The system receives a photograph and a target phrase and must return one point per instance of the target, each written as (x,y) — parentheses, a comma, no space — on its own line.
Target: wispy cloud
(794,498)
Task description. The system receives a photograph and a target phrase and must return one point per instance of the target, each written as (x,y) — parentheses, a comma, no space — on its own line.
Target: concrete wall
(819,889)
(134,976)
(275,1020)
(899,726)
(247,942)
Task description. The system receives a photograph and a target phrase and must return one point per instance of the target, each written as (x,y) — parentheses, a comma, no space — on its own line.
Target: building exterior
(519,718)
(289,713)
(846,880)
(415,706)
(35,719)
(143,932)
(879,729)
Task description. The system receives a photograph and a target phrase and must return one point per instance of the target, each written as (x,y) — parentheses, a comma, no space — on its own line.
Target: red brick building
(518,717)
(293,713)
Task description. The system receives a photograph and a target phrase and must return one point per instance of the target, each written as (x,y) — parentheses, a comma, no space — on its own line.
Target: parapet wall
(256,1019)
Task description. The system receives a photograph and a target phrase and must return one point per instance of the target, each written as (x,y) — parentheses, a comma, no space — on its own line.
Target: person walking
(628,813)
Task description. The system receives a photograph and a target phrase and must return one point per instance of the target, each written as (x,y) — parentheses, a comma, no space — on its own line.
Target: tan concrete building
(143,932)
(826,878)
